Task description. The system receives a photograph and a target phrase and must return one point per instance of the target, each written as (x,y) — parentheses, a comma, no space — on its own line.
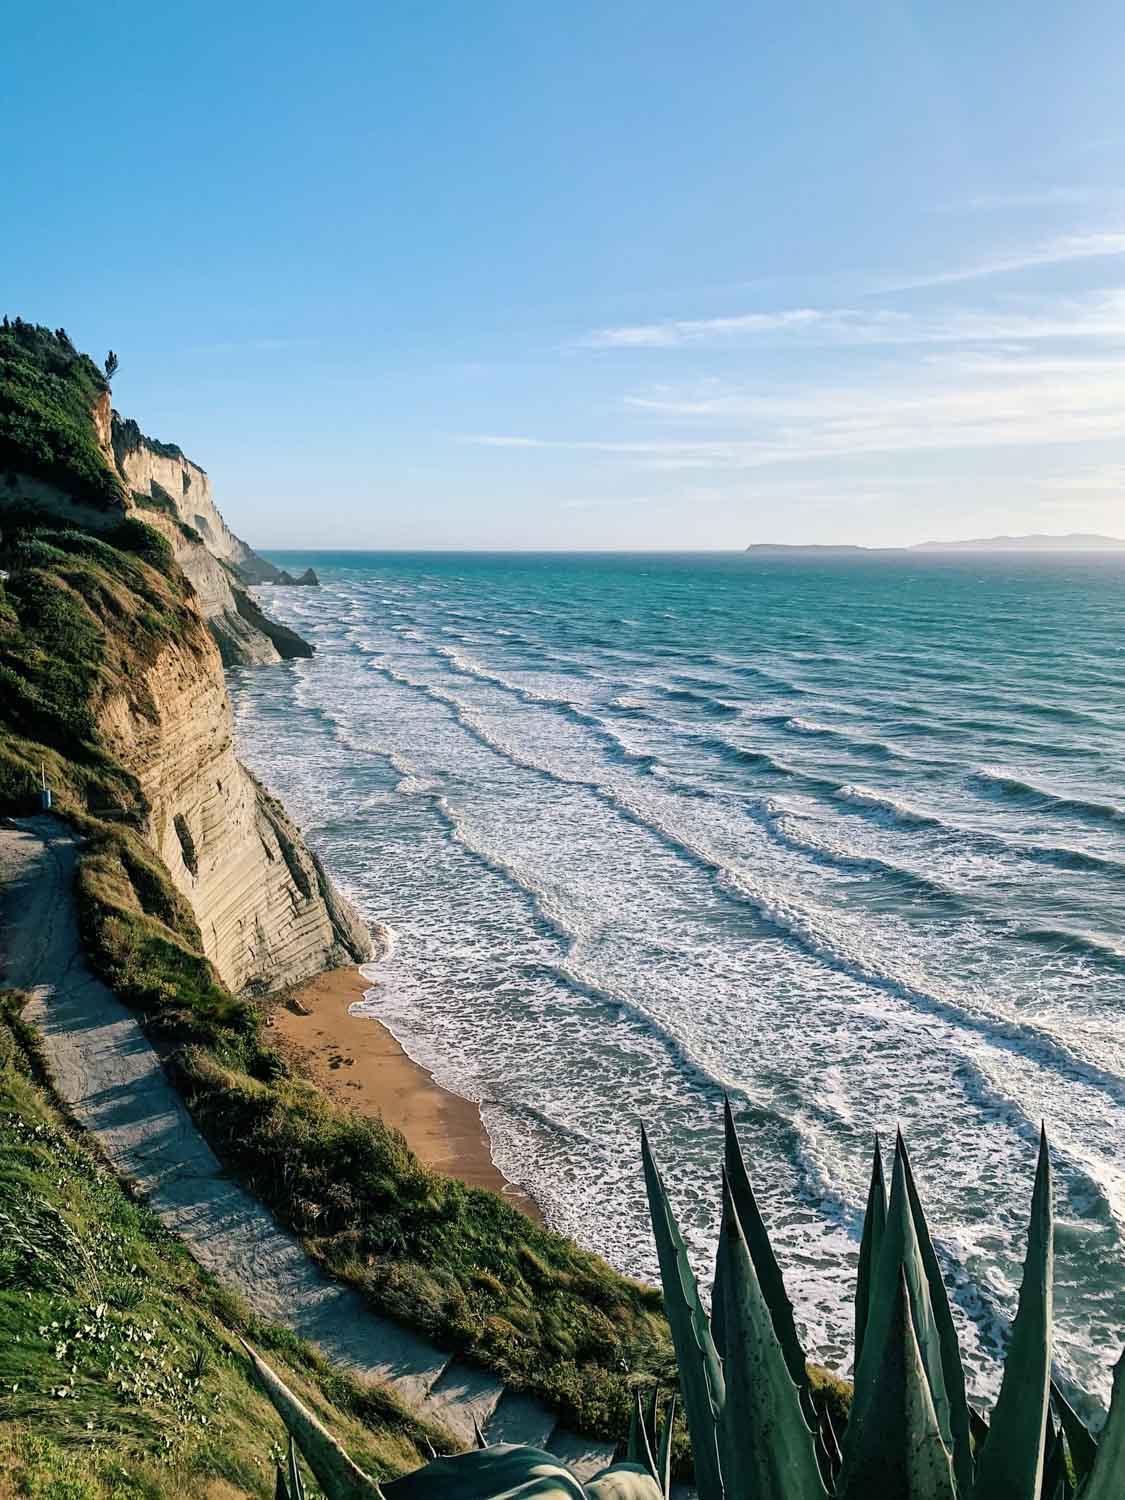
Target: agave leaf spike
(338,1476)
(478,1435)
(899,1253)
(828,1434)
(638,1450)
(651,1427)
(510,1469)
(701,1375)
(1010,1465)
(874,1223)
(894,1448)
(664,1457)
(296,1484)
(978,1429)
(765,1444)
(620,1482)
(1055,1481)
(1107,1482)
(952,1369)
(1079,1440)
(761,1253)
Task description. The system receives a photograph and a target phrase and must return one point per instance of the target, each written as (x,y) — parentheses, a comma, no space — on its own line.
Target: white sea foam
(622,881)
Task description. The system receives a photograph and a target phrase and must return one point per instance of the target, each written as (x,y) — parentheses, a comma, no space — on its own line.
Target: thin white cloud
(1045,197)
(929,407)
(850,325)
(1055,252)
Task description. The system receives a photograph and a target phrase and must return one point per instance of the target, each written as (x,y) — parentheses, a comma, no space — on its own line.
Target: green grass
(458,1262)
(120,1371)
(47,391)
(80,617)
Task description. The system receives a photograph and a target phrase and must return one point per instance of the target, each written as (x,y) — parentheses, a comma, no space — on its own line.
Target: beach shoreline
(357,1061)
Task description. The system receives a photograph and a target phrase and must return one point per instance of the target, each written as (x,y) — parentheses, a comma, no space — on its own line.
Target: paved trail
(107,1073)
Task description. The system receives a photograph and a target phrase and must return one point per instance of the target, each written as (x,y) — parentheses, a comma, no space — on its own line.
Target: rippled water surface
(844,838)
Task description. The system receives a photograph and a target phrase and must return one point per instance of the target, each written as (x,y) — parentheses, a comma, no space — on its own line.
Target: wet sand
(358,1062)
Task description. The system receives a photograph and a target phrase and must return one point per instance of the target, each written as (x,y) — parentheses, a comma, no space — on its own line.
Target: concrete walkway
(107,1073)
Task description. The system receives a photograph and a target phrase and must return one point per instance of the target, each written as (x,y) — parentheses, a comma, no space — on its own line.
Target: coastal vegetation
(83,617)
(459,1263)
(121,1375)
(758,1427)
(47,392)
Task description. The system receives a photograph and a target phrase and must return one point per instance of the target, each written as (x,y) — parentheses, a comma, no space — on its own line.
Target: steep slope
(109,675)
(175,496)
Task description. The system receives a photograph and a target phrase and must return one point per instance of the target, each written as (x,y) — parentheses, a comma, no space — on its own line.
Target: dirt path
(107,1073)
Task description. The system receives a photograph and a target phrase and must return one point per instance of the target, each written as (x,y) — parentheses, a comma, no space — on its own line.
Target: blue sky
(592,275)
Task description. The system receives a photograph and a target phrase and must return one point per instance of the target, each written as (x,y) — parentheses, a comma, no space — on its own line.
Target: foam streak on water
(844,839)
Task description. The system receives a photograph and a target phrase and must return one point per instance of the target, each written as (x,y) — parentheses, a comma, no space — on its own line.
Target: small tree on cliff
(110,365)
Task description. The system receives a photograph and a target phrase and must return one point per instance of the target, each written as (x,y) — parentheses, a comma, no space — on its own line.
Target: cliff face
(149,678)
(267,914)
(175,496)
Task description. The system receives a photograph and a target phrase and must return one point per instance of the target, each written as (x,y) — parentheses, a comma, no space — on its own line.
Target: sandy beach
(359,1062)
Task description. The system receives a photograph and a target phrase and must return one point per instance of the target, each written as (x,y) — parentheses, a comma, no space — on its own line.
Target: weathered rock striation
(174,495)
(267,912)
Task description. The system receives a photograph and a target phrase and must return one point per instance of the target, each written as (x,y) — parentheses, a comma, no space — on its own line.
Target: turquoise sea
(843,837)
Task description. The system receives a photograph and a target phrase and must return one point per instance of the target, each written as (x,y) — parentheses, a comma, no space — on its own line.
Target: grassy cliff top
(48,391)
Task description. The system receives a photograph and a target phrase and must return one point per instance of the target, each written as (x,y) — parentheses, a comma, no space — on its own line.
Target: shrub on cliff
(47,393)
(79,617)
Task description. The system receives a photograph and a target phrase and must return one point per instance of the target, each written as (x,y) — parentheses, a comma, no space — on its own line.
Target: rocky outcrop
(174,495)
(267,913)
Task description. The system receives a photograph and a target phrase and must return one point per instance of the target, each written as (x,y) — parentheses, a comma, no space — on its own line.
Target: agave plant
(911,1433)
(510,1470)
(757,1430)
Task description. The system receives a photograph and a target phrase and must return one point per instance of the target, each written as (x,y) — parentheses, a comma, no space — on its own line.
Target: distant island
(1071,541)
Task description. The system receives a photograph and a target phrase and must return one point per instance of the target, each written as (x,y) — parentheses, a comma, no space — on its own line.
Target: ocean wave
(1013,788)
(715,707)
(796,926)
(787,829)
(869,744)
(1099,950)
(889,808)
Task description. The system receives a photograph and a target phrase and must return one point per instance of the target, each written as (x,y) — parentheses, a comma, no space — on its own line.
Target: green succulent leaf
(502,1471)
(899,1255)
(624,1482)
(701,1375)
(978,1427)
(894,1449)
(664,1457)
(765,1445)
(1107,1481)
(1079,1440)
(638,1449)
(338,1476)
(952,1369)
(761,1253)
(1056,1481)
(1010,1465)
(874,1223)
(296,1484)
